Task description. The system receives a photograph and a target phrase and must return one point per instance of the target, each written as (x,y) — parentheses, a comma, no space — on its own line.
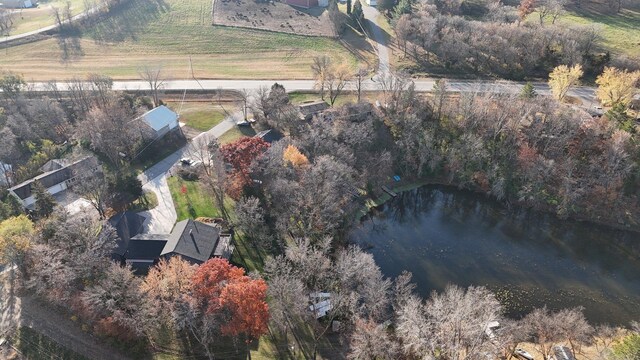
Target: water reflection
(529,259)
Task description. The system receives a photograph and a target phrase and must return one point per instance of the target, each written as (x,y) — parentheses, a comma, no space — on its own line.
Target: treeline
(499,42)
(88,115)
(66,262)
(216,310)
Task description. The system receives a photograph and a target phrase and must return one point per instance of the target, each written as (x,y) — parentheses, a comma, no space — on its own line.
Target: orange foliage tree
(223,290)
(292,155)
(240,154)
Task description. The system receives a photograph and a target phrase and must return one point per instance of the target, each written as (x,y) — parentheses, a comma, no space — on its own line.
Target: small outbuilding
(310,109)
(161,120)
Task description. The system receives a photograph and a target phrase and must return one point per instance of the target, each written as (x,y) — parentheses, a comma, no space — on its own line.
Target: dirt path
(65,332)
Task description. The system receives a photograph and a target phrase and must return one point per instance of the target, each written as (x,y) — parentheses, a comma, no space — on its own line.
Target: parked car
(523,354)
(190,162)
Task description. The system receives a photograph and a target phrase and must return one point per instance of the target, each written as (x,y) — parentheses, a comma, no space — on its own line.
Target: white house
(16,4)
(55,181)
(161,120)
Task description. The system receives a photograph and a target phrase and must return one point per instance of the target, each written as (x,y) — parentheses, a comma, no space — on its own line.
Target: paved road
(425,84)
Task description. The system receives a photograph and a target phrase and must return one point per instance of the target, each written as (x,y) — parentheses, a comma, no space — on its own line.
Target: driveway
(378,35)
(160,220)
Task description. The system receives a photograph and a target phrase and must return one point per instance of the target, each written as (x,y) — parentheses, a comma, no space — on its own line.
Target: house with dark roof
(58,177)
(308,110)
(194,241)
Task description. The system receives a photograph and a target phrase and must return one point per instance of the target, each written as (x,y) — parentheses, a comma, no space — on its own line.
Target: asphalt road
(585,93)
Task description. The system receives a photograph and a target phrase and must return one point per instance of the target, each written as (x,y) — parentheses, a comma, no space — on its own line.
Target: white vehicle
(523,354)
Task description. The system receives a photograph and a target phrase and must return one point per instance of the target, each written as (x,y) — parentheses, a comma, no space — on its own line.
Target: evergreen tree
(356,14)
(45,203)
(403,7)
(618,114)
(528,91)
(348,7)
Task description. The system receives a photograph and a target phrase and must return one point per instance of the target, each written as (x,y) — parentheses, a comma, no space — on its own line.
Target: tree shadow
(127,20)
(69,44)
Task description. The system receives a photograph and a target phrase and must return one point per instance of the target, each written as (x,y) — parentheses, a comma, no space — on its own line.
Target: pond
(447,236)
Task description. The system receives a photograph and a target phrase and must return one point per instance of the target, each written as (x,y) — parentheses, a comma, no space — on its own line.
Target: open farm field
(38,17)
(178,35)
(273,16)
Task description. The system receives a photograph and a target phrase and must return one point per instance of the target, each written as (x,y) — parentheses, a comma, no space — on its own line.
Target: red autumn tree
(240,154)
(224,290)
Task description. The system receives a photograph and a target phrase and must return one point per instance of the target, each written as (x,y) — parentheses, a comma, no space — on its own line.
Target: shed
(308,110)
(161,120)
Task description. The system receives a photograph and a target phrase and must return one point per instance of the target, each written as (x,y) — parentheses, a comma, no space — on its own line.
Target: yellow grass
(144,32)
(32,19)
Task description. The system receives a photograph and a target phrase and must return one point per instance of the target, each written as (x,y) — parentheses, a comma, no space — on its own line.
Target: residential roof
(271,135)
(128,225)
(160,117)
(144,249)
(54,177)
(193,240)
(313,108)
(54,164)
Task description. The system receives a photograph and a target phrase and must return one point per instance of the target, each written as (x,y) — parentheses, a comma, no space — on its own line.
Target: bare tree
(155,79)
(58,16)
(244,100)
(6,21)
(337,79)
(372,341)
(361,74)
(94,188)
(206,150)
(449,325)
(320,68)
(545,330)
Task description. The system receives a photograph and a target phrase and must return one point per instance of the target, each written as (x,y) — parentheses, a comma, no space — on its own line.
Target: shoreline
(371,204)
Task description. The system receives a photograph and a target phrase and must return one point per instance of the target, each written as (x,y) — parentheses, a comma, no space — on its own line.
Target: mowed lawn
(200,115)
(35,18)
(620,32)
(178,35)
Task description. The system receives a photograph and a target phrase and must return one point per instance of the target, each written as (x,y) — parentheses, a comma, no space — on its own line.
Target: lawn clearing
(620,32)
(35,18)
(192,201)
(200,115)
(178,35)
(237,132)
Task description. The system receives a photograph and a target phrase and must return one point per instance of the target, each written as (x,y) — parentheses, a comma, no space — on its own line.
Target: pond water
(447,236)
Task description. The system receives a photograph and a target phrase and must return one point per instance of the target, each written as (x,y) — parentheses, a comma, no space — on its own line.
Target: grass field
(200,115)
(32,19)
(236,133)
(620,32)
(194,202)
(178,35)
